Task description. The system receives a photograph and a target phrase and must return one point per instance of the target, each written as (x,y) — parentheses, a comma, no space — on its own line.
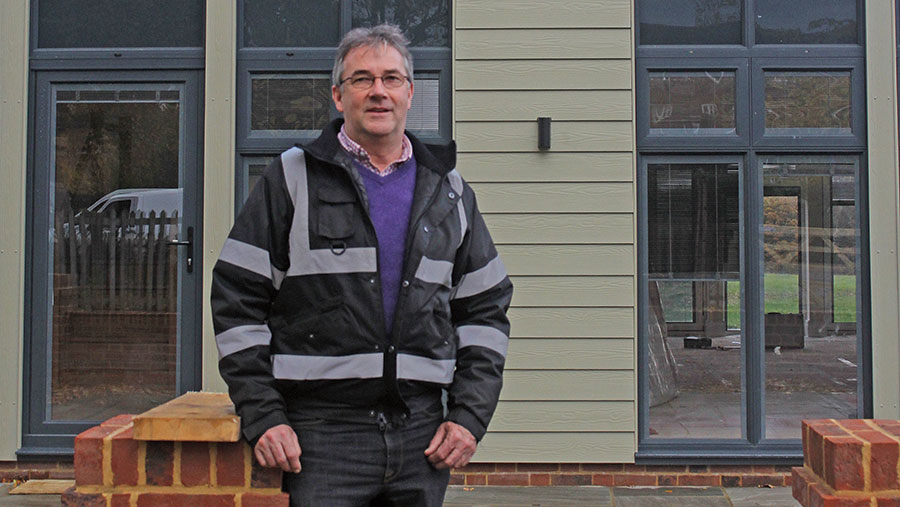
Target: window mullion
(754,315)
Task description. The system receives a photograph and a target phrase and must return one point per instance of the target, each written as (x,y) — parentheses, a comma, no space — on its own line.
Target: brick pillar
(184,452)
(849,463)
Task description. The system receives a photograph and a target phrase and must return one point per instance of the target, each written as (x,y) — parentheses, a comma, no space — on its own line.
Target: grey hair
(385,35)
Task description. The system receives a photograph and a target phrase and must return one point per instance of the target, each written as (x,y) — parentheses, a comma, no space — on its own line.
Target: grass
(782,295)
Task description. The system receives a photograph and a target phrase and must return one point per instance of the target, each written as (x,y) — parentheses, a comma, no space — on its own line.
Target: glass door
(114,240)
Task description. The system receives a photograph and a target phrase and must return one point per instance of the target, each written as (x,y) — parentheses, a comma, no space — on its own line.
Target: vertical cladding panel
(592,146)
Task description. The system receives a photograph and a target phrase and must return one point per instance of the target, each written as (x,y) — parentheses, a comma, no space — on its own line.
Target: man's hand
(451,447)
(278,447)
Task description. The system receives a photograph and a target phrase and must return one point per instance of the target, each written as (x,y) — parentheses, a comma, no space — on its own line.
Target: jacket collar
(439,158)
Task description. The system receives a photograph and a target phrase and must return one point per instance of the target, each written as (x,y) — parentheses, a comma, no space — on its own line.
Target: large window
(285,53)
(751,139)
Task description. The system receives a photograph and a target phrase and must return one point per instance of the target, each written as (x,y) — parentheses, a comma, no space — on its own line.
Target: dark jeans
(361,457)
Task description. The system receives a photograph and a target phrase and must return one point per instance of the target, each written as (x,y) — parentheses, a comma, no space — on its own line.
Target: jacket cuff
(253,431)
(468,420)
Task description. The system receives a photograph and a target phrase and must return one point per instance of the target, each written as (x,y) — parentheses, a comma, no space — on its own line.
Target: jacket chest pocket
(337,213)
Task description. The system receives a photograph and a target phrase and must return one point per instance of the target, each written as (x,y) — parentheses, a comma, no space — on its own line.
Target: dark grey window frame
(107,65)
(855,66)
(427,61)
(739,66)
(753,447)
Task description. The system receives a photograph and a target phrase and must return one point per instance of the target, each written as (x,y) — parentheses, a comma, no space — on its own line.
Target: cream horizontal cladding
(561,228)
(552,291)
(568,353)
(526,105)
(562,219)
(543,75)
(563,416)
(543,14)
(546,166)
(557,447)
(588,197)
(566,135)
(530,43)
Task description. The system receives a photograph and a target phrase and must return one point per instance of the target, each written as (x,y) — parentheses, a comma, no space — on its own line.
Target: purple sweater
(390,202)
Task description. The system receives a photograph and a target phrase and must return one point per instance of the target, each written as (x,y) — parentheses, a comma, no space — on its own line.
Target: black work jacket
(296,296)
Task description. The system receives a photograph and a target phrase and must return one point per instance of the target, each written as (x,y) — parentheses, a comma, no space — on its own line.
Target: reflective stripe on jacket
(297,306)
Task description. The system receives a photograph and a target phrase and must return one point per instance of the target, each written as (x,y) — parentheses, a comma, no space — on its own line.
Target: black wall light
(543,133)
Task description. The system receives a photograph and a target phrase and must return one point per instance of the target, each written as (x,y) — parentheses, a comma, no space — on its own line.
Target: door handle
(190,248)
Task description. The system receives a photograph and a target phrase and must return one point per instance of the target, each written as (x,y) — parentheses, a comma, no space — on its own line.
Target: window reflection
(694,368)
(806,22)
(815,103)
(692,103)
(810,237)
(691,22)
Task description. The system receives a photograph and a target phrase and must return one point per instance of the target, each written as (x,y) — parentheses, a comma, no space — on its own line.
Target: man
(357,284)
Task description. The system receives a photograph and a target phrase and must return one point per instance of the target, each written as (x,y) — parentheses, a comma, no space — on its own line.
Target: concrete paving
(557,496)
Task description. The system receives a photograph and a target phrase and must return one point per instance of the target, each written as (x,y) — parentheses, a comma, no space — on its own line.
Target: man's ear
(336,97)
(409,102)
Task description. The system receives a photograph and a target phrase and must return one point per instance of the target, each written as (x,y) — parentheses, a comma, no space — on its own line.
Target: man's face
(378,112)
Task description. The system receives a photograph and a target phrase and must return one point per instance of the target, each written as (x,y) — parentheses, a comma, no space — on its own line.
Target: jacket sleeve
(246,279)
(479,301)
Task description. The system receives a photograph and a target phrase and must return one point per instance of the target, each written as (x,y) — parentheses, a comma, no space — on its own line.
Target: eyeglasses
(364,82)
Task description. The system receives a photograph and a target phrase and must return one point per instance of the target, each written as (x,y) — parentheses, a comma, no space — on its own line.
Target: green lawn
(782,295)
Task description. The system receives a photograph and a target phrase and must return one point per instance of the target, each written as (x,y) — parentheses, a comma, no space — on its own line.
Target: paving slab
(533,496)
(683,496)
(761,497)
(25,500)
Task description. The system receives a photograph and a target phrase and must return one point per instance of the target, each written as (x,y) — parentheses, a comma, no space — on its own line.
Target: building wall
(562,219)
(13,121)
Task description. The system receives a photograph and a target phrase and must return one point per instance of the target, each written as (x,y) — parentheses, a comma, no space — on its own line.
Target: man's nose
(378,88)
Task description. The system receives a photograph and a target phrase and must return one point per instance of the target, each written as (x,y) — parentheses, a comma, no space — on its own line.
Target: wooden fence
(109,261)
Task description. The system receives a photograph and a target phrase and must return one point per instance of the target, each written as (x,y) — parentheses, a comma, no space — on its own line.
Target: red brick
(38,474)
(665,469)
(885,452)
(799,489)
(160,463)
(570,467)
(889,426)
(120,500)
(888,502)
(230,463)
(476,480)
(631,468)
(505,467)
(602,467)
(667,480)
(89,455)
(124,457)
(699,480)
(570,479)
(540,480)
(118,421)
(180,500)
(761,480)
(537,467)
(478,468)
(762,469)
(62,474)
(844,458)
(263,477)
(507,479)
(71,498)
(854,425)
(14,475)
(818,430)
(634,480)
(194,463)
(731,481)
(820,497)
(457,479)
(255,500)
(602,480)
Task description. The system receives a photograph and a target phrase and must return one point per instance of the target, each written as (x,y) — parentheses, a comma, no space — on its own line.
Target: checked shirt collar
(360,155)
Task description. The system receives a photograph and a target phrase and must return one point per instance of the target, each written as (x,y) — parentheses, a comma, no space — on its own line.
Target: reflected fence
(115,261)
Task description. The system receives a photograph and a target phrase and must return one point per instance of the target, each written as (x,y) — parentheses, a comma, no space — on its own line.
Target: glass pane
(424,22)
(806,22)
(811,370)
(691,21)
(117,24)
(694,371)
(686,103)
(117,201)
(811,103)
(425,113)
(290,102)
(291,23)
(252,173)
